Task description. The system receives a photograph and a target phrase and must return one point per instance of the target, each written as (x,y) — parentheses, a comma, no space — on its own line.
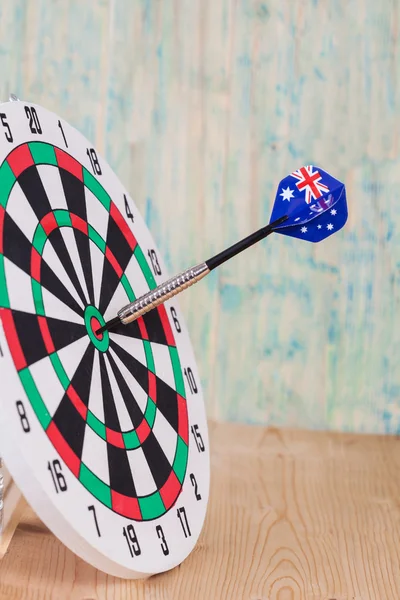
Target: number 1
(63,134)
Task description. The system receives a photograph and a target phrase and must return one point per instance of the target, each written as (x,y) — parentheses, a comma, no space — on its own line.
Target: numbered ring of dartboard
(106,435)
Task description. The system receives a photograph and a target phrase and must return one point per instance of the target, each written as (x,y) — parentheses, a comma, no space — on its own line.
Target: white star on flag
(329,227)
(287,194)
(333,211)
(319,226)
(303,230)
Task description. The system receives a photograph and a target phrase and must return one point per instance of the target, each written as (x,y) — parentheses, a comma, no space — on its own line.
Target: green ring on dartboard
(138,507)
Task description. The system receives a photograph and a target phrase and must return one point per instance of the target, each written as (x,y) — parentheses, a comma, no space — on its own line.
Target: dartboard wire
(75,195)
(20,211)
(32,185)
(52,178)
(51,258)
(15,247)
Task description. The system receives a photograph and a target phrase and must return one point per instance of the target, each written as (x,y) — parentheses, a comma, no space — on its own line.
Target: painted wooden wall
(202,106)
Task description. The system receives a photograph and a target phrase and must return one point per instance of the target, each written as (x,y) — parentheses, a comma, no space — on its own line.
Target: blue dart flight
(314,203)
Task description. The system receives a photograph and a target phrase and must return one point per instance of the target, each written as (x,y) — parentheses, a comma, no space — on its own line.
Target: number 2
(196,488)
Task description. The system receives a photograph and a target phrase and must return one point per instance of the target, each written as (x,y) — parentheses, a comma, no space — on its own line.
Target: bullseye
(93,322)
(95,325)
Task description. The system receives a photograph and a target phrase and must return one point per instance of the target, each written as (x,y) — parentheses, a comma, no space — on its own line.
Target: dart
(309,204)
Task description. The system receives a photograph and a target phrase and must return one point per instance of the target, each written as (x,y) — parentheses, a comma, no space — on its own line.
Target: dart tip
(108,325)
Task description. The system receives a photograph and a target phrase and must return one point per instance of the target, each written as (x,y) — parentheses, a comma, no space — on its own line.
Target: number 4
(129,215)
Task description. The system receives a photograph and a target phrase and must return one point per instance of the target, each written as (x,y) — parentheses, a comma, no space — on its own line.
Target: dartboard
(105,434)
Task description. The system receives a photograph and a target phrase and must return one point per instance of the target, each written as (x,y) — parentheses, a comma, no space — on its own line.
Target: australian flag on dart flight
(314,202)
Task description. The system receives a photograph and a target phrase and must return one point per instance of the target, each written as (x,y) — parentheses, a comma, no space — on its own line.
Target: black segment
(119,469)
(130,330)
(17,248)
(67,419)
(32,186)
(156,459)
(109,283)
(74,191)
(139,372)
(132,407)
(30,336)
(64,333)
(118,245)
(153,325)
(167,402)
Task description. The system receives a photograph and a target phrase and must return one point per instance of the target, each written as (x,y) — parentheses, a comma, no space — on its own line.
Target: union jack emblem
(309,181)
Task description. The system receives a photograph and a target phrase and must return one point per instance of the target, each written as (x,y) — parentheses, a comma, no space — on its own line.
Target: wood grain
(293,515)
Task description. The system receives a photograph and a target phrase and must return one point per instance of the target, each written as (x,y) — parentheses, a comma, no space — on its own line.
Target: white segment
(132,345)
(71,355)
(51,258)
(70,242)
(163,364)
(94,455)
(118,300)
(97,215)
(51,180)
(21,212)
(53,307)
(96,397)
(137,391)
(136,278)
(97,260)
(48,384)
(166,436)
(19,288)
(53,186)
(124,419)
(141,474)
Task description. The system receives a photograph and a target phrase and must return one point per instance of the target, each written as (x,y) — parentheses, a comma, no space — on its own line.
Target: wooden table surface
(292,515)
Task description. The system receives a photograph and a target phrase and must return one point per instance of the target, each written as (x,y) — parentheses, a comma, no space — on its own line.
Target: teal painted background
(201,107)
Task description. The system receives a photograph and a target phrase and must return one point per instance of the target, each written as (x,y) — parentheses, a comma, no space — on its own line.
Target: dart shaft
(162,293)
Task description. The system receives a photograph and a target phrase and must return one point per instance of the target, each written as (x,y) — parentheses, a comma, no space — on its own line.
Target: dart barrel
(162,293)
